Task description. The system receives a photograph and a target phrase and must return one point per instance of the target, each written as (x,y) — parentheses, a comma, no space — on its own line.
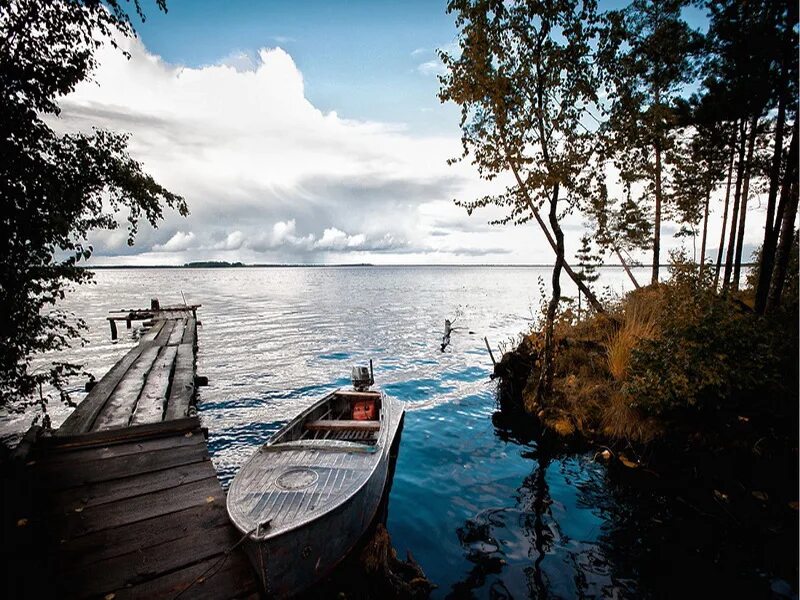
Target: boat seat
(354,395)
(342,425)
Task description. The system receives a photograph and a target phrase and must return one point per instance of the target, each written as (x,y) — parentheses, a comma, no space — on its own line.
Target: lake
(483,512)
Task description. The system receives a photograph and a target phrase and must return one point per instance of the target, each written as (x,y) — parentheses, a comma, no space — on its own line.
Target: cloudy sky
(298,133)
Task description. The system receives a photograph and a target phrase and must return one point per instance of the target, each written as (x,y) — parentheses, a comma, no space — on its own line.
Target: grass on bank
(677,356)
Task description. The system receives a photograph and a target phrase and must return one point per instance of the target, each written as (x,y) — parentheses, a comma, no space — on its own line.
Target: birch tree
(525,80)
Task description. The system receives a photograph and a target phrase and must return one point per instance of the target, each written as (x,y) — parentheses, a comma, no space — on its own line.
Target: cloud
(432,67)
(269,177)
(179,241)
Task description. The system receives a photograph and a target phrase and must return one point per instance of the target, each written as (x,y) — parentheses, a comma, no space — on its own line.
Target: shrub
(711,352)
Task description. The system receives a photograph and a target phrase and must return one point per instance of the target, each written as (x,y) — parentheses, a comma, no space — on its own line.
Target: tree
(751,71)
(525,80)
(55,189)
(588,265)
(620,225)
(700,160)
(648,53)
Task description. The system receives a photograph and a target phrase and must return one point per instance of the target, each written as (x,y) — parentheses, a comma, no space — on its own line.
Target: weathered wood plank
(110,491)
(177,332)
(181,392)
(139,508)
(163,336)
(343,425)
(234,579)
(151,334)
(71,455)
(83,417)
(153,398)
(57,476)
(116,541)
(120,405)
(190,333)
(122,436)
(140,566)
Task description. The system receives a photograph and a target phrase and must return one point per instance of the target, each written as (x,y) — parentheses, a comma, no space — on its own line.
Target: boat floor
(289,484)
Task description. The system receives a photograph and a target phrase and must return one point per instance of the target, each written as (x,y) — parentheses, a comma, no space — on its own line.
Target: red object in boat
(364,410)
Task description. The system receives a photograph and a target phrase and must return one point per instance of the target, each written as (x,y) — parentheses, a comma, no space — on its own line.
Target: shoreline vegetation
(683,391)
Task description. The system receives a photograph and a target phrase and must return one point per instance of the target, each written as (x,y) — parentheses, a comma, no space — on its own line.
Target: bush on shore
(677,356)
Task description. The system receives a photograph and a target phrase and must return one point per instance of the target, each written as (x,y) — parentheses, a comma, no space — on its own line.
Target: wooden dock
(123,500)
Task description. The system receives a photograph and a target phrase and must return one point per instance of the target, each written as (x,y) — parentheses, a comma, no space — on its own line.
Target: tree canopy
(56,188)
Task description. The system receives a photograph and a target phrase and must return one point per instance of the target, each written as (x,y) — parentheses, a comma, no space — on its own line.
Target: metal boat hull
(290,563)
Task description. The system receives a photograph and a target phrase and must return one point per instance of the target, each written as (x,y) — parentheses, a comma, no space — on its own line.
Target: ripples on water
(482,513)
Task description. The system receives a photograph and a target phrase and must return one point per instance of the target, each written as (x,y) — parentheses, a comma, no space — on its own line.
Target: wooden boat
(306,497)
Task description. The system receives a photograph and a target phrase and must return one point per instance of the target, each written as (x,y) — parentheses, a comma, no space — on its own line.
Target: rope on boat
(221,561)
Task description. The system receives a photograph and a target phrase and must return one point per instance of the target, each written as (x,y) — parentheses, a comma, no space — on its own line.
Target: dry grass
(621,421)
(639,322)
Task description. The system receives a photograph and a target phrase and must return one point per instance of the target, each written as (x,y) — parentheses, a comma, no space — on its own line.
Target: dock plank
(116,541)
(84,416)
(163,336)
(70,499)
(153,398)
(181,392)
(119,408)
(232,579)
(190,333)
(151,334)
(54,477)
(177,332)
(139,508)
(137,566)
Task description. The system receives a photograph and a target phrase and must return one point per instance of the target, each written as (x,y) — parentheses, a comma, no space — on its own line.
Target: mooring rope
(221,561)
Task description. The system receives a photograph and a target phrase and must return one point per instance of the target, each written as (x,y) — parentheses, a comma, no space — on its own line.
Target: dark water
(482,511)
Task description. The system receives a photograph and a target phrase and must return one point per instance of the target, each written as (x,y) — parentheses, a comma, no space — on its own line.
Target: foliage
(648,55)
(711,354)
(55,189)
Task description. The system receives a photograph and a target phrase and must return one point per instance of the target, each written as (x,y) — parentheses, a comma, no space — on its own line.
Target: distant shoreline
(345,265)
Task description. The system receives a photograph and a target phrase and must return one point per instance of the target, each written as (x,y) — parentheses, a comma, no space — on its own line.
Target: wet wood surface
(154,381)
(123,500)
(141,515)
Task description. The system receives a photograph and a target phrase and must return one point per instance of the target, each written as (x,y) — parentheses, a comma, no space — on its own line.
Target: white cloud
(432,67)
(179,241)
(268,177)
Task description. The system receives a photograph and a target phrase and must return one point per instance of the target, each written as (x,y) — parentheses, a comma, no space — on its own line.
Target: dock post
(154,305)
(113,328)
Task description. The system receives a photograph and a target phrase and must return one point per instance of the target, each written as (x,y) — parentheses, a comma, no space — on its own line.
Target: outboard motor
(363,378)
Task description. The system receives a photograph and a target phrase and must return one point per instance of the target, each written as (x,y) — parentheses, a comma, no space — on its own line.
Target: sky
(298,132)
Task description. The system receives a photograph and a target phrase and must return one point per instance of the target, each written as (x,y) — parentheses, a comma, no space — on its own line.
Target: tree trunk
(546,374)
(737,264)
(721,248)
(770,230)
(590,296)
(705,234)
(789,202)
(626,267)
(726,280)
(657,224)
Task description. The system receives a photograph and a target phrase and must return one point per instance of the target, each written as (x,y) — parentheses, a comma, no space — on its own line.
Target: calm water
(480,510)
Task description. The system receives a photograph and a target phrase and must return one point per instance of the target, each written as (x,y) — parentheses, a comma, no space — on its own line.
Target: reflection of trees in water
(484,551)
(585,564)
(653,538)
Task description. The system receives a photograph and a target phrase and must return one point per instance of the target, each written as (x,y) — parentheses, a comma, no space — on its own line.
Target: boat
(306,497)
